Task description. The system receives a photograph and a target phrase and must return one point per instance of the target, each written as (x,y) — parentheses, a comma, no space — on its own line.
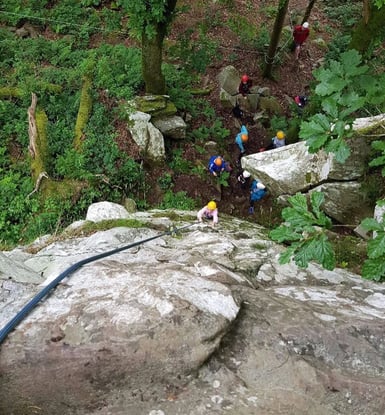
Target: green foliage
(165,181)
(379,161)
(345,14)
(374,266)
(345,87)
(177,200)
(118,70)
(178,163)
(144,16)
(246,32)
(338,45)
(304,229)
(223,178)
(196,54)
(215,131)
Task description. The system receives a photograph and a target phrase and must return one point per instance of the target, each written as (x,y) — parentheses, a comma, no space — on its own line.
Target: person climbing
(279,139)
(243,178)
(217,165)
(209,212)
(240,140)
(245,85)
(257,192)
(300,34)
(300,100)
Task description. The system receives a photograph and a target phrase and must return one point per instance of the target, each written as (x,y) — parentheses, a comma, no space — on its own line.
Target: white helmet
(246,174)
(305,25)
(260,185)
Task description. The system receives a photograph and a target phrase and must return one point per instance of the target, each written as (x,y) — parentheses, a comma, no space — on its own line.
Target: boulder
(147,137)
(345,202)
(173,127)
(289,169)
(229,80)
(106,211)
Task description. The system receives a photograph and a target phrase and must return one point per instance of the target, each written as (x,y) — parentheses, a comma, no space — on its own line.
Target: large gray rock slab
(205,322)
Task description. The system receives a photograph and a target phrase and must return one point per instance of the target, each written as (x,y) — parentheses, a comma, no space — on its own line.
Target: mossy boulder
(155,105)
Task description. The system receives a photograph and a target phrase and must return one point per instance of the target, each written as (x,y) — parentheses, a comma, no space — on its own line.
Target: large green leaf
(351,63)
(340,149)
(329,105)
(284,233)
(374,269)
(370,224)
(323,252)
(378,145)
(376,246)
(378,161)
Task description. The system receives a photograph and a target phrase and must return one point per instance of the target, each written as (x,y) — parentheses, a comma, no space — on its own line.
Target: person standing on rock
(209,212)
(257,192)
(245,86)
(300,34)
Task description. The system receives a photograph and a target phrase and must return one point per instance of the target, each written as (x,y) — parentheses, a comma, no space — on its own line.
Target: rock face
(291,169)
(206,322)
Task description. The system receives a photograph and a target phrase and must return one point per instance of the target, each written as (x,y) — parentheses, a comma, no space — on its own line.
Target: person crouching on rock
(209,212)
(217,165)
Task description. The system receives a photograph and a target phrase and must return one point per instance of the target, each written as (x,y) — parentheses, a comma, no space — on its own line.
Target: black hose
(40,295)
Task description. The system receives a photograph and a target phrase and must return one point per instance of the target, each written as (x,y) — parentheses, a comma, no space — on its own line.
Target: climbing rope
(40,295)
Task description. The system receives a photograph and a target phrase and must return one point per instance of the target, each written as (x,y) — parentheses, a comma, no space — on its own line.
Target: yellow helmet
(211,205)
(280,135)
(244,137)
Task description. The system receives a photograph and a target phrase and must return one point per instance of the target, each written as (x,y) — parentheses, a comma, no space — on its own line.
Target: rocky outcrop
(291,169)
(202,323)
(151,118)
(259,100)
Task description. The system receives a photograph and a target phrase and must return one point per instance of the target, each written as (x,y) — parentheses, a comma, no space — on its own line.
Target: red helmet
(244,78)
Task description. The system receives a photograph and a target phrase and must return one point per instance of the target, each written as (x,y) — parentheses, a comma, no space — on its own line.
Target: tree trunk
(365,34)
(274,40)
(308,11)
(152,49)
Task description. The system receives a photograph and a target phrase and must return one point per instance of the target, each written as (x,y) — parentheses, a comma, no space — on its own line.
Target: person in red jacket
(300,34)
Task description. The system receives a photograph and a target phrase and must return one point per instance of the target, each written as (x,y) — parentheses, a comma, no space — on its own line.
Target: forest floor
(290,78)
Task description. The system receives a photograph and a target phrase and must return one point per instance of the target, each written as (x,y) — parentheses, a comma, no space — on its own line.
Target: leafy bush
(374,266)
(304,229)
(177,200)
(118,70)
(346,88)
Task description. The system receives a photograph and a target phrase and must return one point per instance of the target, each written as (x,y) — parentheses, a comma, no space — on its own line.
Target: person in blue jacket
(257,192)
(217,165)
(242,138)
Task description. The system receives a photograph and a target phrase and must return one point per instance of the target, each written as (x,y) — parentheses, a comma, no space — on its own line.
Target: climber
(243,179)
(209,212)
(245,85)
(217,165)
(257,192)
(240,140)
(300,34)
(277,141)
